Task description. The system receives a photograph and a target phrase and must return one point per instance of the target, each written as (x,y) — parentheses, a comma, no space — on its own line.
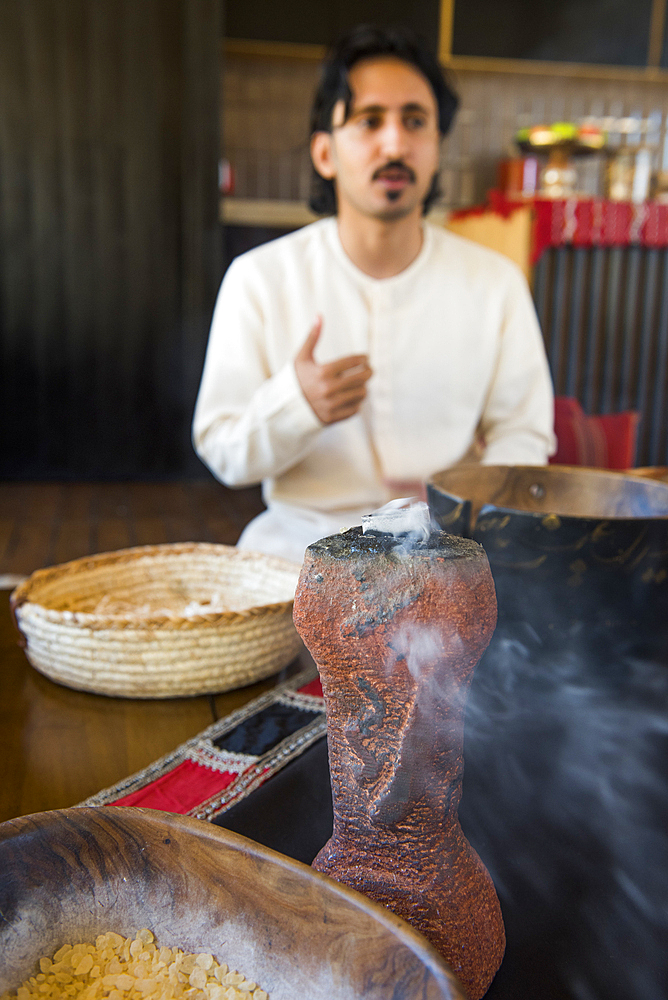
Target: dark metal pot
(579,555)
(565,794)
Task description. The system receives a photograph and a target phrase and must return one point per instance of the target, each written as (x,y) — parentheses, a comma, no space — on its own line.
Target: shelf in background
(278,214)
(264,212)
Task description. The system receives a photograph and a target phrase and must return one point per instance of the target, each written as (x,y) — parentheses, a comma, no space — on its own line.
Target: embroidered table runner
(220,775)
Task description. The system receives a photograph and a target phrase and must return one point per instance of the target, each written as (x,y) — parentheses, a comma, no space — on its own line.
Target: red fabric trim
(241,793)
(314,688)
(582,222)
(180,790)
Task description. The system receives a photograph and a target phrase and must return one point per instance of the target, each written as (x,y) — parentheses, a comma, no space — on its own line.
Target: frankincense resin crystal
(118,968)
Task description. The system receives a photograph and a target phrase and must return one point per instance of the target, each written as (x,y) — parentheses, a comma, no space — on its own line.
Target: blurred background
(144,144)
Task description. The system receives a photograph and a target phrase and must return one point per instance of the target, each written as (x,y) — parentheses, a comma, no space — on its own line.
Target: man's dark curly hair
(369,42)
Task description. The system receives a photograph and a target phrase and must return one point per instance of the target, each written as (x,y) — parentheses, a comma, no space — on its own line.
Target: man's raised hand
(336,389)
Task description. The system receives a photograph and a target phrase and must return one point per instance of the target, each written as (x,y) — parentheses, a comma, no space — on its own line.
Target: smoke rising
(565,791)
(407,518)
(422,647)
(566,800)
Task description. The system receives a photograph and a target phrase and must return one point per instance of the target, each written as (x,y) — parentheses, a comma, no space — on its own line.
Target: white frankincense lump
(118,968)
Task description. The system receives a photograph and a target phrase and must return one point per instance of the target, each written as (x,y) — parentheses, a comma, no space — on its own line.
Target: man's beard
(393,208)
(400,211)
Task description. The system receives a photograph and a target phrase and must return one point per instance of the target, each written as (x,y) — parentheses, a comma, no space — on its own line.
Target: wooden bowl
(68,875)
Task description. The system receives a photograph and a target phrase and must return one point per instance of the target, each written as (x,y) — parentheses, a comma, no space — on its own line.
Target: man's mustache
(395,165)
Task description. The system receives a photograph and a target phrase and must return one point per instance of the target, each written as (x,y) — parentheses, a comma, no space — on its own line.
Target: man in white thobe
(351,360)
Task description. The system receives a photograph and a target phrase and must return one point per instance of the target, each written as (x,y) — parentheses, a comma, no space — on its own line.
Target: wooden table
(59,746)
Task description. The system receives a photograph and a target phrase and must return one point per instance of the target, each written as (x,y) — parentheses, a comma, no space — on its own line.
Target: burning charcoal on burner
(401,518)
(396,626)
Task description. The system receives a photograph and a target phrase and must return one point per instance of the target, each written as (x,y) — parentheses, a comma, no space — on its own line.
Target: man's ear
(322,155)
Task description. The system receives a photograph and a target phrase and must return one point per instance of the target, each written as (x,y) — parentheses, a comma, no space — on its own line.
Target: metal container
(579,554)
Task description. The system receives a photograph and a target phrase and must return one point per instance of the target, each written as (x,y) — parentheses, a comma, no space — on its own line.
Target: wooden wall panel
(110,246)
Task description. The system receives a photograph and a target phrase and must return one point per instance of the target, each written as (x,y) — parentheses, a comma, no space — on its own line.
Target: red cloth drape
(584,222)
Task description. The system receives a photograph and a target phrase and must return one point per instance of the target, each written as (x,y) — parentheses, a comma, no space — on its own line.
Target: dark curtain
(110,245)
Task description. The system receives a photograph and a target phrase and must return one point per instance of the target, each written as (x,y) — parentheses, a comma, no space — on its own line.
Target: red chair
(601,442)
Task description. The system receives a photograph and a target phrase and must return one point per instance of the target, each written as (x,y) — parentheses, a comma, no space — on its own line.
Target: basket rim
(22,596)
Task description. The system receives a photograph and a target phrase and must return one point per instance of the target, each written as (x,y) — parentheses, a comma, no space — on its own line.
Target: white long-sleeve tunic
(455,348)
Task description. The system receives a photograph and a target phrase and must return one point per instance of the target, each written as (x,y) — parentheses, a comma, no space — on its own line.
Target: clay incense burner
(396,631)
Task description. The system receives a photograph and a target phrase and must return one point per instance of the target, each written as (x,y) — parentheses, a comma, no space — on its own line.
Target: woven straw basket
(160,621)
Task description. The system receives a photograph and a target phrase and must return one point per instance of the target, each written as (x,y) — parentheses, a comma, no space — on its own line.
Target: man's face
(384,156)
